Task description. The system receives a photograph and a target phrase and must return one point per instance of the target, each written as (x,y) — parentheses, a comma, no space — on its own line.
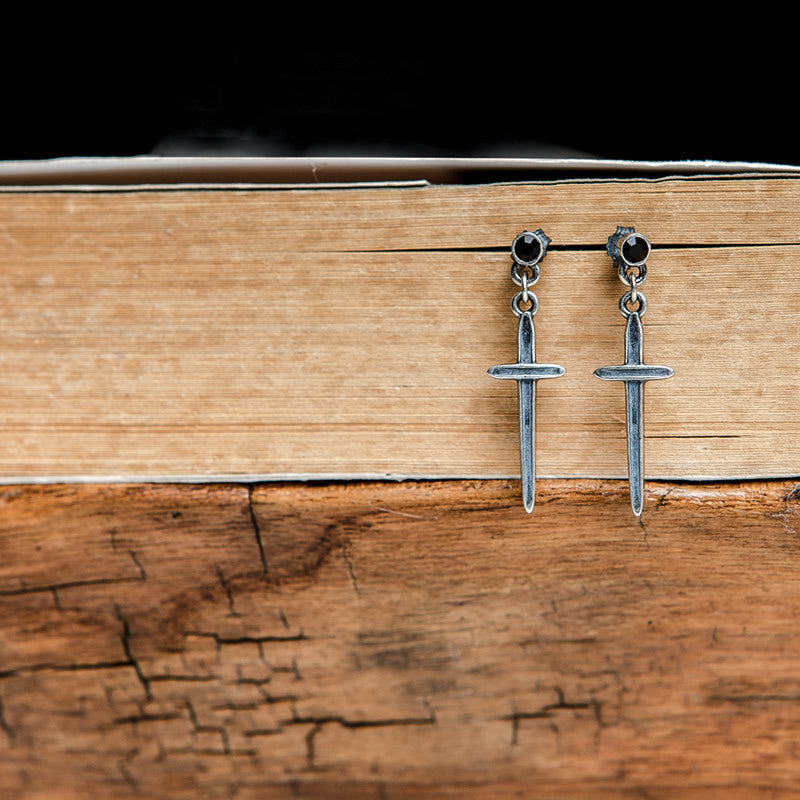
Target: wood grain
(399,640)
(170,334)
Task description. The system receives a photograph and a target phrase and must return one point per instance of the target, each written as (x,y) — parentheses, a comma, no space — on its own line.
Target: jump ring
(525,295)
(626,298)
(535,272)
(534,301)
(626,276)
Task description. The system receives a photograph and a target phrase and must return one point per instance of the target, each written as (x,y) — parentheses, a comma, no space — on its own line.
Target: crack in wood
(125,637)
(257,531)
(100,665)
(350,570)
(67,585)
(220,640)
(135,719)
(218,729)
(127,776)
(138,563)
(644,532)
(196,751)
(228,593)
(275,699)
(4,726)
(262,732)
(363,723)
(319,722)
(547,711)
(744,699)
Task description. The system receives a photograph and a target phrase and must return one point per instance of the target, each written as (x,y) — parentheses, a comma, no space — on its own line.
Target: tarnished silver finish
(628,298)
(635,291)
(526,371)
(533,274)
(530,266)
(634,373)
(517,299)
(625,266)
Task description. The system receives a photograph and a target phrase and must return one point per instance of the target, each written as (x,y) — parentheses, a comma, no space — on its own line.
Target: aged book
(259,333)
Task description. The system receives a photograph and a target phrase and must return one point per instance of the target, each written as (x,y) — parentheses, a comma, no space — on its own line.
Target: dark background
(109,100)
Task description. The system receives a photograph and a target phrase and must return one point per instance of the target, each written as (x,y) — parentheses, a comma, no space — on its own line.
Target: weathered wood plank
(396,640)
(269,333)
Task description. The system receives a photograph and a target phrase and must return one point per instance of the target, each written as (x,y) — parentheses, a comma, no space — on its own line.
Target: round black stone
(527,248)
(635,249)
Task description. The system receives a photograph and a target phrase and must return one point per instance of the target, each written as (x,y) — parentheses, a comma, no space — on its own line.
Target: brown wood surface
(345,333)
(387,640)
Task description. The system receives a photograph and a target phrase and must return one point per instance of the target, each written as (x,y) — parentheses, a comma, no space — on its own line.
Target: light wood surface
(158,334)
(399,640)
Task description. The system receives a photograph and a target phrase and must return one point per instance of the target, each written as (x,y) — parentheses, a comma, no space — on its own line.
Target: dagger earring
(629,251)
(527,251)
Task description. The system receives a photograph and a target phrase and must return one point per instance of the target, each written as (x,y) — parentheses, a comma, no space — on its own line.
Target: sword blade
(634,405)
(526,352)
(527,442)
(634,398)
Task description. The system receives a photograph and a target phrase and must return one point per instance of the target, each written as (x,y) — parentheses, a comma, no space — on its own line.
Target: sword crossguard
(634,372)
(526,372)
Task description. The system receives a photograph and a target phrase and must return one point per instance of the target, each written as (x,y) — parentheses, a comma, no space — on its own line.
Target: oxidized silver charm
(527,250)
(629,252)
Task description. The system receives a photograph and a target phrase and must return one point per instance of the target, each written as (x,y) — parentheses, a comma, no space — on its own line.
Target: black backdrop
(281,100)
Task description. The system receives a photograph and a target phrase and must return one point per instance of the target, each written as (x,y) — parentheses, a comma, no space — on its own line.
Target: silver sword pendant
(527,250)
(629,252)
(634,373)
